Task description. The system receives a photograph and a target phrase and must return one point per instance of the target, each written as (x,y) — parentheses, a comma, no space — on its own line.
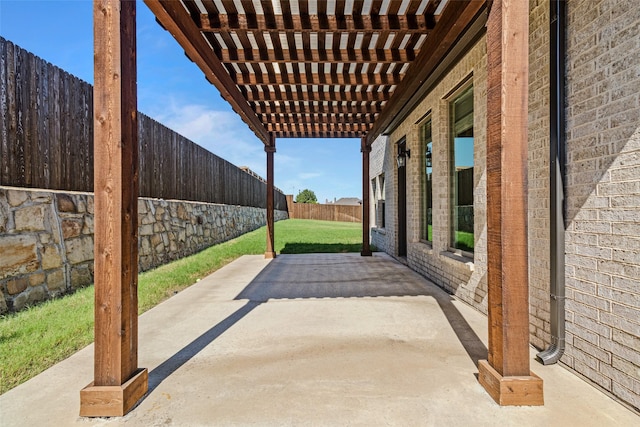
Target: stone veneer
(46,238)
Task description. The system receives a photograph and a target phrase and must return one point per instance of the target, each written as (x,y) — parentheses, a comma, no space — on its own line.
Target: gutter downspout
(557,142)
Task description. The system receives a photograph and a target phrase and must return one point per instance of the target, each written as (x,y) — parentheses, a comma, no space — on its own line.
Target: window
(426,141)
(375,200)
(380,206)
(462,171)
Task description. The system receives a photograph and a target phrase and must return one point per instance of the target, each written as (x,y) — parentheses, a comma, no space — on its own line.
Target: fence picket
(46,131)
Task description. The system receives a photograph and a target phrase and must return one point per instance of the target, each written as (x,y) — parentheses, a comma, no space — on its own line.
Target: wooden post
(506,375)
(366,150)
(270,150)
(118,382)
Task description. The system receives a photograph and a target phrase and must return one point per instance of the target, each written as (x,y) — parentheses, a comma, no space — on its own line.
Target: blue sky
(173,90)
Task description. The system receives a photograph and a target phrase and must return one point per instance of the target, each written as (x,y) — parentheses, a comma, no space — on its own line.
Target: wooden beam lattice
(316,117)
(173,16)
(456,16)
(302,107)
(318,134)
(325,56)
(323,93)
(318,127)
(342,79)
(316,23)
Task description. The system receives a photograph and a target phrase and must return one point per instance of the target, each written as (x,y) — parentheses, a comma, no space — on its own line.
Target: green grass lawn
(464,241)
(37,338)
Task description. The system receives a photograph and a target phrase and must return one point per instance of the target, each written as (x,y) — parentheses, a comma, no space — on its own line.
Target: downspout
(557,143)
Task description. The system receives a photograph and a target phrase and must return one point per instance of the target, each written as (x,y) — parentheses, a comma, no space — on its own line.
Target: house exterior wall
(463,276)
(603,194)
(538,174)
(602,184)
(380,160)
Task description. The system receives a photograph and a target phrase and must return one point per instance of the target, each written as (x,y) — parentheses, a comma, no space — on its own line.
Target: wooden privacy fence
(324,212)
(46,126)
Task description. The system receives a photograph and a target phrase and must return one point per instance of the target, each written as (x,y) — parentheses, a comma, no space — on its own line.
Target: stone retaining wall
(46,238)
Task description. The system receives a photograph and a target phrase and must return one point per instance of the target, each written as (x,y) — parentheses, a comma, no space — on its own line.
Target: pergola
(305,68)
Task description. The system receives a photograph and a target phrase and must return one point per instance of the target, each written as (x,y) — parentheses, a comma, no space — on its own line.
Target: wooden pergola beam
(329,117)
(270,149)
(366,151)
(298,108)
(173,16)
(118,382)
(342,79)
(295,94)
(318,134)
(506,375)
(318,127)
(455,17)
(302,23)
(331,56)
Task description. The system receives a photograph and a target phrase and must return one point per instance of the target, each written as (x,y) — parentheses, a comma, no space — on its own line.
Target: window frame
(459,93)
(424,221)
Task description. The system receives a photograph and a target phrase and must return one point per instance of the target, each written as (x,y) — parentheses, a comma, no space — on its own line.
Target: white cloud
(221,132)
(309,175)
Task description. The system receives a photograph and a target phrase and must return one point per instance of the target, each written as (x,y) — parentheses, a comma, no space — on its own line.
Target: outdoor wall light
(402,157)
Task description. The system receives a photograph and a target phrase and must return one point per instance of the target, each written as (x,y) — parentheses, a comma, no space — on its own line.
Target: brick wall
(462,276)
(603,194)
(538,178)
(381,160)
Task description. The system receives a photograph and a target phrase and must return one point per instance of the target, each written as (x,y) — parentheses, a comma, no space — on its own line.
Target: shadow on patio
(327,276)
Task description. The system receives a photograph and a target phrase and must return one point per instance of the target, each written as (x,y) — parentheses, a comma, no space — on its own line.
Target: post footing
(113,401)
(269,255)
(365,253)
(510,391)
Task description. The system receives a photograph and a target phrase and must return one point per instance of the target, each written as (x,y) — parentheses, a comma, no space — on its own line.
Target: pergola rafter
(325,56)
(337,107)
(342,79)
(410,23)
(279,94)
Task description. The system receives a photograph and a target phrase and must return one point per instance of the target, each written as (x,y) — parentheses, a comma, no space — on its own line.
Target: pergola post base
(510,391)
(113,401)
(269,255)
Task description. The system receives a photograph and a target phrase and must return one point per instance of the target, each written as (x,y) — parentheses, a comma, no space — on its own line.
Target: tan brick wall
(539,223)
(381,160)
(603,194)
(461,276)
(603,189)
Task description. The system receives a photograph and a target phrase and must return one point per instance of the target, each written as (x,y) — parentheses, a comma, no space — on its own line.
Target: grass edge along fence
(46,131)
(41,336)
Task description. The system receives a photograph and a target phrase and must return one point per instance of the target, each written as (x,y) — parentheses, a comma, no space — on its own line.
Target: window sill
(458,259)
(427,246)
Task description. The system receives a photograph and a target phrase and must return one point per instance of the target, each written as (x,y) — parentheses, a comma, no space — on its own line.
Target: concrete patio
(324,339)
